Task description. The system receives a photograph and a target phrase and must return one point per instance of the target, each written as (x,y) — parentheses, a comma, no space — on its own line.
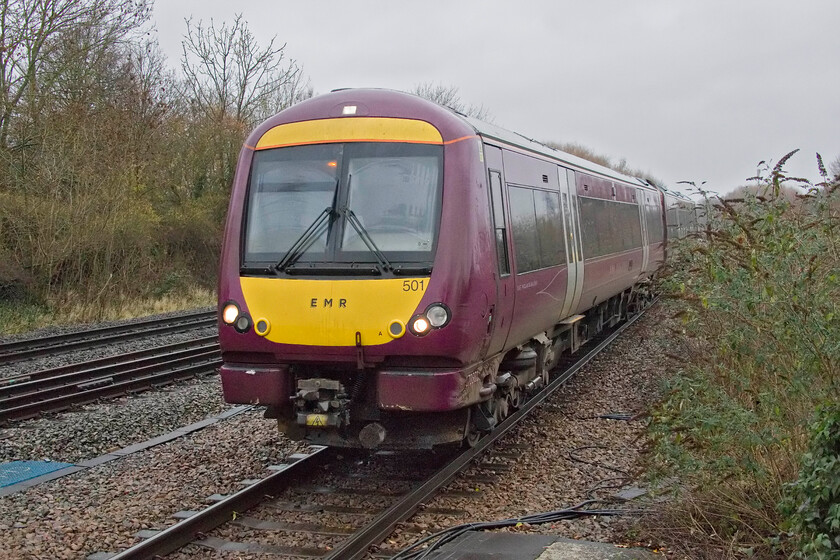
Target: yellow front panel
(330,312)
(350,129)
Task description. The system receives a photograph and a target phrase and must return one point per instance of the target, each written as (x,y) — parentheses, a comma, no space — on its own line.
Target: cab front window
(302,199)
(289,188)
(394,193)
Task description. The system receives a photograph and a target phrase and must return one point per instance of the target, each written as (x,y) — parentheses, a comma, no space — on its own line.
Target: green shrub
(812,506)
(758,294)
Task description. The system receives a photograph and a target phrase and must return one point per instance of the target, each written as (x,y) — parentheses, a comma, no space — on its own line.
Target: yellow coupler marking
(316,420)
(350,129)
(330,312)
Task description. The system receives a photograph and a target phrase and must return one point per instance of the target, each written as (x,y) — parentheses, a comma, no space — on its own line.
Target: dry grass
(128,308)
(21,317)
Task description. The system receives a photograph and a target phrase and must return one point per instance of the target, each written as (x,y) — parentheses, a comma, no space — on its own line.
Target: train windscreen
(301,200)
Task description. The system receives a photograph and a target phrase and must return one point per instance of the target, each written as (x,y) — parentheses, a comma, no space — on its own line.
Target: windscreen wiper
(351,219)
(306,239)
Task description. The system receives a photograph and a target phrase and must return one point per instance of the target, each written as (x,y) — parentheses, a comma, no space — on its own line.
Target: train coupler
(321,403)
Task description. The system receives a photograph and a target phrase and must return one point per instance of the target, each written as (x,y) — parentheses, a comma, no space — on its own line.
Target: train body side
(541,296)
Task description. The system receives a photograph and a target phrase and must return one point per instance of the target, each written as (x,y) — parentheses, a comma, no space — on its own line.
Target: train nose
(372,435)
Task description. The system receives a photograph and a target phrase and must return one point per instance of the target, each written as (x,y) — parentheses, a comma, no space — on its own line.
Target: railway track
(334,505)
(56,389)
(29,348)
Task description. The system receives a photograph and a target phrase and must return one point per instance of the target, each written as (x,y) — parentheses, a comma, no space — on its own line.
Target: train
(397,275)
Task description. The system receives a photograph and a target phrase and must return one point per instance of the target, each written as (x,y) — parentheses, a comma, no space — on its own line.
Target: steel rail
(356,546)
(81,371)
(27,348)
(206,520)
(145,377)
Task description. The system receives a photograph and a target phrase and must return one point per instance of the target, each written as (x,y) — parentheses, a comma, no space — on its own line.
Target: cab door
(501,311)
(574,253)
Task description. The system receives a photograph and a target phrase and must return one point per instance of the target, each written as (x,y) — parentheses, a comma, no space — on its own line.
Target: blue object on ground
(18,471)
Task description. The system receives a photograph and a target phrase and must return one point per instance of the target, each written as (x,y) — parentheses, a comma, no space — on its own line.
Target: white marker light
(348,110)
(438,315)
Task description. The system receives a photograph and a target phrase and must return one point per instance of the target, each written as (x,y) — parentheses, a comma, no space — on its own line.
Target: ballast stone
(478,545)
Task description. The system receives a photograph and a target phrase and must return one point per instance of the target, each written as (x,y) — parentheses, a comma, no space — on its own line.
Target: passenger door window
(499,222)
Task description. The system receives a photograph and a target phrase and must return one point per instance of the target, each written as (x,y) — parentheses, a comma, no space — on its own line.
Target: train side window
(523,222)
(654,221)
(608,226)
(499,222)
(549,228)
(537,228)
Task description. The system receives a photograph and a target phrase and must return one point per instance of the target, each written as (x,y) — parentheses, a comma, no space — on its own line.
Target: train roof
(384,102)
(679,196)
(488,130)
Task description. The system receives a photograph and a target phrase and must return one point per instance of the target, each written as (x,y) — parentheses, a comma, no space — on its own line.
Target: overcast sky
(698,90)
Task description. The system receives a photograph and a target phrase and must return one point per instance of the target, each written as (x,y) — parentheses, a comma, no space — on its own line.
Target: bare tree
(834,169)
(155,82)
(31,32)
(229,75)
(295,90)
(448,96)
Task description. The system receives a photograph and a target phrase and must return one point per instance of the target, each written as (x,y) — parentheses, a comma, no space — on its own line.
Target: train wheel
(515,398)
(471,433)
(500,409)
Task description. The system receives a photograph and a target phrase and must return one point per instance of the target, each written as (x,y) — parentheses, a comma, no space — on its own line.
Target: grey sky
(696,90)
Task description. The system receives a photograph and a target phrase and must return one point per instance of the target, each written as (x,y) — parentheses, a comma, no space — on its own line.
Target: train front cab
(352,297)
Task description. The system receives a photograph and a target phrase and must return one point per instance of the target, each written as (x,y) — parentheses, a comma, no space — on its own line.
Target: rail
(27,348)
(52,390)
(356,545)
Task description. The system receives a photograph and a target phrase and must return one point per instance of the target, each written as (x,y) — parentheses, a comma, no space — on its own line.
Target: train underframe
(371,408)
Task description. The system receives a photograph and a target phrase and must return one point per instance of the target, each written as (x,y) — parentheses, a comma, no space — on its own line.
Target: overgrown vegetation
(114,169)
(750,422)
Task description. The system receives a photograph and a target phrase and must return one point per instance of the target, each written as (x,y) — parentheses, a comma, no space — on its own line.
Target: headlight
(229,313)
(438,315)
(419,325)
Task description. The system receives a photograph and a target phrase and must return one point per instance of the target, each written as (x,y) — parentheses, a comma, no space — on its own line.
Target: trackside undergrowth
(750,425)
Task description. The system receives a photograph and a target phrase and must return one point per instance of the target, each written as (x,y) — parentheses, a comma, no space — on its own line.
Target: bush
(758,294)
(812,507)
(114,172)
